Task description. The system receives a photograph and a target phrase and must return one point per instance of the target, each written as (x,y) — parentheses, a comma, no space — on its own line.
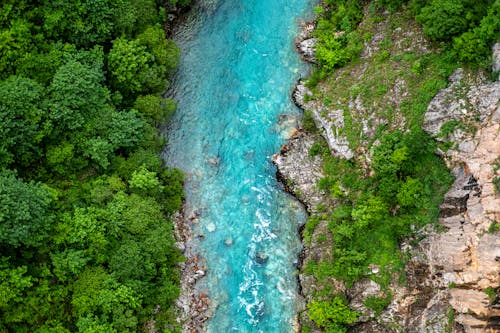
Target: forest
(86,236)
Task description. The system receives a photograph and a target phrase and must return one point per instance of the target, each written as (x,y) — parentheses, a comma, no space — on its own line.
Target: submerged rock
(261,257)
(211,227)
(213,161)
(229,241)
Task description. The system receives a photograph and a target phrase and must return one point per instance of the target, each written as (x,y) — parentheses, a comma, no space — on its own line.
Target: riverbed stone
(211,227)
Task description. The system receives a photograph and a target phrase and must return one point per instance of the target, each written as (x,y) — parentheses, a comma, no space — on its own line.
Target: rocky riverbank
(193,304)
(453,270)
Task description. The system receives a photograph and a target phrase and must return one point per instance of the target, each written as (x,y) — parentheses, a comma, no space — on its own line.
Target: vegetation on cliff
(395,183)
(86,239)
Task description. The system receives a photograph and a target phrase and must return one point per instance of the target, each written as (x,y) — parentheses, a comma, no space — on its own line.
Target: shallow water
(236,73)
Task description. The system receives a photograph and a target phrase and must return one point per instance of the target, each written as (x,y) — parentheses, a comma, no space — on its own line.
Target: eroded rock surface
(466,256)
(328,120)
(300,172)
(305,43)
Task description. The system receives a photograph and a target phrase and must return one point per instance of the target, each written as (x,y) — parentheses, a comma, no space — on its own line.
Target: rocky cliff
(453,269)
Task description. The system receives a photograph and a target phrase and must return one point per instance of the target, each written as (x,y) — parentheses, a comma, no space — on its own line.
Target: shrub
(377,304)
(443,19)
(308,122)
(334,315)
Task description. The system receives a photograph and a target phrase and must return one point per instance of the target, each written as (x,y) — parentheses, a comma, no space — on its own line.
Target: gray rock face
(464,100)
(300,174)
(298,171)
(328,124)
(307,49)
(496,58)
(305,43)
(194,305)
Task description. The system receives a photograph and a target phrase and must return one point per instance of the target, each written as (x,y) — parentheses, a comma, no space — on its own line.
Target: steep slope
(450,280)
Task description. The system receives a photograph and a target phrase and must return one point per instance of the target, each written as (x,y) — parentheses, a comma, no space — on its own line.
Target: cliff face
(454,267)
(464,259)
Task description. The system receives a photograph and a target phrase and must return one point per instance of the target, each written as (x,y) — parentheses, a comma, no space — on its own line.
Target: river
(235,76)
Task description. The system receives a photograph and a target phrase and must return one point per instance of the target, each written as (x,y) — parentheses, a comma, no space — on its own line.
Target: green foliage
(129,62)
(81,22)
(309,227)
(334,315)
(474,46)
(450,319)
(448,128)
(492,295)
(318,148)
(25,218)
(80,168)
(15,41)
(494,227)
(390,4)
(76,95)
(368,223)
(443,19)
(336,52)
(338,42)
(410,193)
(146,181)
(13,281)
(126,130)
(23,121)
(472,27)
(377,304)
(155,109)
(181,3)
(140,66)
(308,122)
(165,52)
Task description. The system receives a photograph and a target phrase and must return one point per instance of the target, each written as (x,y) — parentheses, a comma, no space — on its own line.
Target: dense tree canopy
(86,237)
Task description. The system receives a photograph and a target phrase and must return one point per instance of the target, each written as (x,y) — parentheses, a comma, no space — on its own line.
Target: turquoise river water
(235,76)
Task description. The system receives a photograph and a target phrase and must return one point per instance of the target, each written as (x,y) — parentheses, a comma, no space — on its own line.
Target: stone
(298,171)
(468,300)
(229,241)
(261,257)
(496,58)
(213,161)
(181,246)
(304,43)
(359,292)
(211,227)
(455,202)
(307,49)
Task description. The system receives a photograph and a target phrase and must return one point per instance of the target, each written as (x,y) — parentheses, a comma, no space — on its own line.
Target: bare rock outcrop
(328,121)
(454,270)
(305,43)
(464,260)
(496,58)
(300,172)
